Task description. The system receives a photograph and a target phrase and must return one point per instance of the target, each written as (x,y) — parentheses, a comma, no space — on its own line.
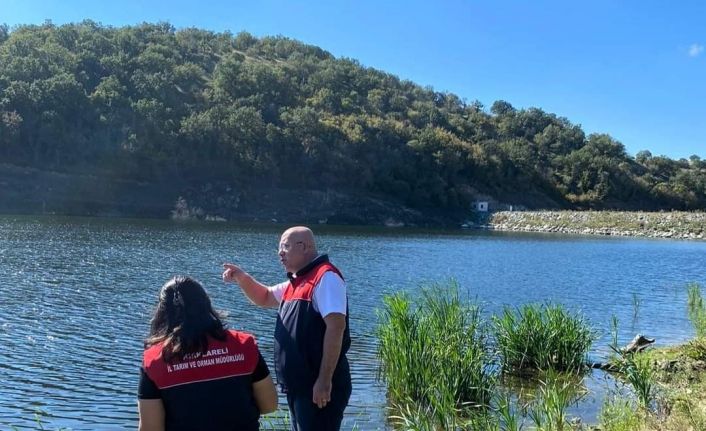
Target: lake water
(77,294)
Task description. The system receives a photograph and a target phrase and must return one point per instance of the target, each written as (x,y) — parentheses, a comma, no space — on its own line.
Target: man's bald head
(301,233)
(297,248)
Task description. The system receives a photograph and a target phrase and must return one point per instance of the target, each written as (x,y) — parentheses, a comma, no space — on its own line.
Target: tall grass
(555,395)
(619,414)
(276,421)
(635,368)
(692,413)
(639,373)
(280,420)
(636,303)
(434,358)
(537,337)
(614,332)
(507,418)
(697,311)
(502,417)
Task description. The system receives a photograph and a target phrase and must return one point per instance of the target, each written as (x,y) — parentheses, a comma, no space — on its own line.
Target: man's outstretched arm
(257,293)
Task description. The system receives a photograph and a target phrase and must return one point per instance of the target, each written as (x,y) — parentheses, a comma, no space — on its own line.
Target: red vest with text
(219,380)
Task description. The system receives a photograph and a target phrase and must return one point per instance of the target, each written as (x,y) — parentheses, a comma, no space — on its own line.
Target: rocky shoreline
(32,191)
(677,224)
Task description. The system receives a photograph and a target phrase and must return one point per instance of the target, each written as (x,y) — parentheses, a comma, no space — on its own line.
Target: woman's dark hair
(184,319)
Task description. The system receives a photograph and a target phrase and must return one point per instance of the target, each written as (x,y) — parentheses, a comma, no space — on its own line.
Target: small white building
(480,206)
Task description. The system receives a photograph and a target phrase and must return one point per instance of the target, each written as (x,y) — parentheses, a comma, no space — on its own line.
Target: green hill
(192,110)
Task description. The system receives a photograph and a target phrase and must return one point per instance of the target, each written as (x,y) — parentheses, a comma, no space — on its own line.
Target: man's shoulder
(330,283)
(331,277)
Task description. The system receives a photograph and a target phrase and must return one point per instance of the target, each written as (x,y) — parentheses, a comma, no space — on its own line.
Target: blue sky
(633,69)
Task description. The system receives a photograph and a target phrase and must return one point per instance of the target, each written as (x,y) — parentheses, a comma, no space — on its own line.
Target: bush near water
(435,356)
(438,357)
(539,337)
(661,389)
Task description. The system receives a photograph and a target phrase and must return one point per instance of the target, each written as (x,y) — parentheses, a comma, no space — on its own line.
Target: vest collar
(311,265)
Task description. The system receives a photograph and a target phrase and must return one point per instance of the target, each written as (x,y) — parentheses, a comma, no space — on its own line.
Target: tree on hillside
(154,103)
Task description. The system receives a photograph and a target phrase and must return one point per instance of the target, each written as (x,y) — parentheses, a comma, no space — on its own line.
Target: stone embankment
(678,225)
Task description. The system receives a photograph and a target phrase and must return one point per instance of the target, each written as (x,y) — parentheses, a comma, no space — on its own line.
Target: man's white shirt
(329,295)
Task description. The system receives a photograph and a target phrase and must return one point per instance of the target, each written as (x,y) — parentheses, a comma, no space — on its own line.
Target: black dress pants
(307,416)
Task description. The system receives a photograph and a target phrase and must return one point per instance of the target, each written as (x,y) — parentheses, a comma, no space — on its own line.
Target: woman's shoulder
(240,336)
(152,353)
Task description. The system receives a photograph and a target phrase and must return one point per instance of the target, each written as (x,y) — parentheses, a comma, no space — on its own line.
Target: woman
(195,373)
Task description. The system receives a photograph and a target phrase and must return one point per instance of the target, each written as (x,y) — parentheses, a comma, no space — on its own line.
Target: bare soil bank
(33,191)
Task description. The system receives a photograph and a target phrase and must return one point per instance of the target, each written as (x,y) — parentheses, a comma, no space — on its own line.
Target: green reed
(554,396)
(697,311)
(620,414)
(636,303)
(276,421)
(538,337)
(434,358)
(638,371)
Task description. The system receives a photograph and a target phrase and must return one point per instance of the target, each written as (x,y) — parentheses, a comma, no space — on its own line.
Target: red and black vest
(219,380)
(299,334)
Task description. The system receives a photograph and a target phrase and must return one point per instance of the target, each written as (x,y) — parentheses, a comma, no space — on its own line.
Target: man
(311,334)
